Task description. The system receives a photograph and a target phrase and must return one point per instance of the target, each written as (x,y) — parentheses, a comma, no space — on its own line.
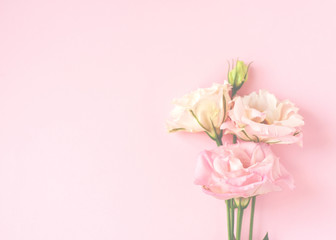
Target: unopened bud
(241,202)
(238,75)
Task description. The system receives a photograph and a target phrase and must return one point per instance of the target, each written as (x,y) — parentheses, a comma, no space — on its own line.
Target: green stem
(232,215)
(234,139)
(239,222)
(228,207)
(228,202)
(234,91)
(219,142)
(252,217)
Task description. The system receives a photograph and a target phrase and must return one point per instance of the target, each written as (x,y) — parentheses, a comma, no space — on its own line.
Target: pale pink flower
(261,117)
(241,170)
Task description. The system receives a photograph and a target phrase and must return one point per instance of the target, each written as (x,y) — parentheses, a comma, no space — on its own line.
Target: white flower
(202,110)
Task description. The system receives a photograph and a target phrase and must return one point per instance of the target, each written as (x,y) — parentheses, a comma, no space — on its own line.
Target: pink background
(86,86)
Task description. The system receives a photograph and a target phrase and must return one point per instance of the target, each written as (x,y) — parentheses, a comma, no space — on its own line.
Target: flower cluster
(246,168)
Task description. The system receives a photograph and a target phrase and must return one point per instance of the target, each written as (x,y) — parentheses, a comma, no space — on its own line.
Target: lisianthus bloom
(202,110)
(243,170)
(261,117)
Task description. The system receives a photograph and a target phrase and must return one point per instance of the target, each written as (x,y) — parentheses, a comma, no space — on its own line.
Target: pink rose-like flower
(261,117)
(241,170)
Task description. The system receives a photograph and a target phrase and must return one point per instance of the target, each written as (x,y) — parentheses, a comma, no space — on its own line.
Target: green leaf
(266,237)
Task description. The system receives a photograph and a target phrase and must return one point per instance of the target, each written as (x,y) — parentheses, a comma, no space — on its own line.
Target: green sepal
(212,137)
(176,130)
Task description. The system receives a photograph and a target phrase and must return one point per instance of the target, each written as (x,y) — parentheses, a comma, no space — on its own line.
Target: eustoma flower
(261,117)
(243,170)
(237,173)
(202,110)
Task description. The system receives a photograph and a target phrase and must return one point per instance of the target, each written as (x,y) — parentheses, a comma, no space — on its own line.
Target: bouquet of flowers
(238,172)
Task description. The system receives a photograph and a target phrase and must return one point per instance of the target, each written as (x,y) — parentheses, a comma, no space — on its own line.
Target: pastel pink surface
(85,89)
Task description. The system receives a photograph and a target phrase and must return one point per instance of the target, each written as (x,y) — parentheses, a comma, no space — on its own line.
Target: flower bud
(241,202)
(238,75)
